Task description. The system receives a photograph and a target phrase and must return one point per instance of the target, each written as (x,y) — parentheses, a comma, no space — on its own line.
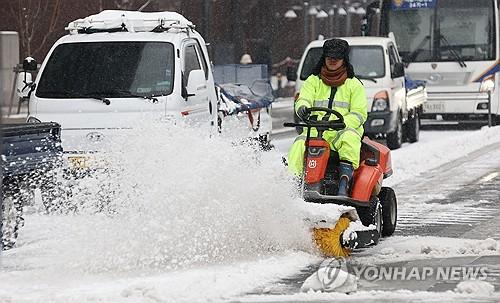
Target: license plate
(434,107)
(79,162)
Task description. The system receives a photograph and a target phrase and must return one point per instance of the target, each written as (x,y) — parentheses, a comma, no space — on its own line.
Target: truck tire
(389,211)
(395,139)
(413,128)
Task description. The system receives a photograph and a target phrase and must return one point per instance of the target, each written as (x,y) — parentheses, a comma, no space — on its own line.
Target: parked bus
(453,45)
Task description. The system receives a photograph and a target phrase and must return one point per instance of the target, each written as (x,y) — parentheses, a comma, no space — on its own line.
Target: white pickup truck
(394,107)
(114,67)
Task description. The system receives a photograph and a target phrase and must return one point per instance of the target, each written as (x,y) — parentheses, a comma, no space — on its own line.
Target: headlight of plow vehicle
(380,102)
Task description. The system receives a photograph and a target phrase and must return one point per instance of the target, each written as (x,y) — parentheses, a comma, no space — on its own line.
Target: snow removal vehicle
(370,210)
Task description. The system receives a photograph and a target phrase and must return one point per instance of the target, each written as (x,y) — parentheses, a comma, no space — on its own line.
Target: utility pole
(206,19)
(306,23)
(237,33)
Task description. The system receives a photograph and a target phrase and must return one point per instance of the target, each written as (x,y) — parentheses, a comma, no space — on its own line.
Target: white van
(393,110)
(115,67)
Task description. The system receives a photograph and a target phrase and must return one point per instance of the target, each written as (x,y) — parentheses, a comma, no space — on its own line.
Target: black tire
(395,139)
(372,214)
(413,128)
(389,204)
(495,120)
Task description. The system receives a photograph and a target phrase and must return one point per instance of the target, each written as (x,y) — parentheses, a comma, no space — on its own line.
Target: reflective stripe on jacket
(349,100)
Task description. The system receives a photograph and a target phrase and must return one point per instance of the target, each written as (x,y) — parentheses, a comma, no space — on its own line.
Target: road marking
(488,177)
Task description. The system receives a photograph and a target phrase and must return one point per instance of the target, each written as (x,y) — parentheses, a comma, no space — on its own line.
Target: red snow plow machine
(368,212)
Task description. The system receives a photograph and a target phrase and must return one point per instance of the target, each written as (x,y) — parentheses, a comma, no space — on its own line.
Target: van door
(397,83)
(197,101)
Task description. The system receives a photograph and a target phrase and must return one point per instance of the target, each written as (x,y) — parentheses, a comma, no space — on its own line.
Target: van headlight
(380,102)
(32,119)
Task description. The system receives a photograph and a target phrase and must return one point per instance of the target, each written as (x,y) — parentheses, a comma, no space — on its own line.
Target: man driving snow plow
(333,85)
(336,165)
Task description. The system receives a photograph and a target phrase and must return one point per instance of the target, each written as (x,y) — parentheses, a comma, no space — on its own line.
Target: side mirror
(398,70)
(196,82)
(24,84)
(291,73)
(30,64)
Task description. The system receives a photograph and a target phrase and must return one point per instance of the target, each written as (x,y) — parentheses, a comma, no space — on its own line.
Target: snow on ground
(206,283)
(174,199)
(475,287)
(398,248)
(188,217)
(378,296)
(414,159)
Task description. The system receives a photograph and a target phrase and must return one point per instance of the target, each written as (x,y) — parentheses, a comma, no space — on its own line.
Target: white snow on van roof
(134,21)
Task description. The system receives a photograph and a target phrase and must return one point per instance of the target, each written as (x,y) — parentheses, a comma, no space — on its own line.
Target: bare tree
(35,21)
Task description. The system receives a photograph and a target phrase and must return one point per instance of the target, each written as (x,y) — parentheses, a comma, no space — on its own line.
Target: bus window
(466,27)
(452,28)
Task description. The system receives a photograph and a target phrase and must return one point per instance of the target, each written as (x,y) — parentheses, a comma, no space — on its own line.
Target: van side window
(191,61)
(203,61)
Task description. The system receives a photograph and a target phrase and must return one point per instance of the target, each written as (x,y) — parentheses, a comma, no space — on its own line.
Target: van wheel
(395,139)
(413,129)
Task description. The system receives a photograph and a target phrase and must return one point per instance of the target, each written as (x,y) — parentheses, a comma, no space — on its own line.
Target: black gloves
(303,113)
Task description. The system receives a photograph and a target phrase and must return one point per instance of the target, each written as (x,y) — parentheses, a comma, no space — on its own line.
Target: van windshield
(368,61)
(108,69)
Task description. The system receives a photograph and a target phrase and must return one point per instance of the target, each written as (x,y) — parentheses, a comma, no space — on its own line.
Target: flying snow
(174,198)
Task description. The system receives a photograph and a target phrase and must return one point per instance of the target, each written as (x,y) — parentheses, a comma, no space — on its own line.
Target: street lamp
(322,14)
(290,14)
(315,11)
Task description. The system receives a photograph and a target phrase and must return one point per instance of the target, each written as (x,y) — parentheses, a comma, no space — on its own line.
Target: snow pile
(332,276)
(326,215)
(400,248)
(172,199)
(204,284)
(475,287)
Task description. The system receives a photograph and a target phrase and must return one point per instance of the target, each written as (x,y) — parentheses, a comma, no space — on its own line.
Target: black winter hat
(336,48)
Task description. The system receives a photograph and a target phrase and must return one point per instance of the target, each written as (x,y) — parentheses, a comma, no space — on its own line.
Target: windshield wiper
(459,58)
(97,96)
(366,78)
(151,97)
(74,94)
(413,55)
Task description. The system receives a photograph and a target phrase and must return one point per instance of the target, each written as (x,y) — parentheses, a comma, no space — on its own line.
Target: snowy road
(246,243)
(457,200)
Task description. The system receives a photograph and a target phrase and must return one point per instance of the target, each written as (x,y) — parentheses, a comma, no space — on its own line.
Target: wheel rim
(378,219)
(393,212)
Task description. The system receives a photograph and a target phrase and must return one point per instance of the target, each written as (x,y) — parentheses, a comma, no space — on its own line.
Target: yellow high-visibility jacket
(350,101)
